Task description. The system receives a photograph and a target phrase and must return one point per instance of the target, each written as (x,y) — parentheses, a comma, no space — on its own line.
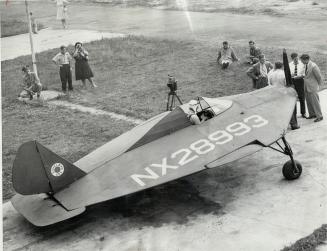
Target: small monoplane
(164,148)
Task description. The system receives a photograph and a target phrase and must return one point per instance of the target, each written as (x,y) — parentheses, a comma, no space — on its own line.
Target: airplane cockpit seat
(206,108)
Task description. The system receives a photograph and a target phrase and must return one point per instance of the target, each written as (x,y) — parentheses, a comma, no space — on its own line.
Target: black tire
(289,172)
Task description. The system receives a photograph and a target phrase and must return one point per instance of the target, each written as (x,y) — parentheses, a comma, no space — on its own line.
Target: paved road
(15,46)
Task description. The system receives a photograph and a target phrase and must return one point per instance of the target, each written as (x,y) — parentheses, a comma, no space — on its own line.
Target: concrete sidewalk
(245,205)
(15,46)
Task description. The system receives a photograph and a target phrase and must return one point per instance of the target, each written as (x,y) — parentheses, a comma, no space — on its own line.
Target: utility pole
(31,37)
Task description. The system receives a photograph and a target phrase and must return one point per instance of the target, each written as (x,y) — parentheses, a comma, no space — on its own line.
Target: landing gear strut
(292,169)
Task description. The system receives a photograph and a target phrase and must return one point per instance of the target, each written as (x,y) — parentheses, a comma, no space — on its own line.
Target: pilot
(192,113)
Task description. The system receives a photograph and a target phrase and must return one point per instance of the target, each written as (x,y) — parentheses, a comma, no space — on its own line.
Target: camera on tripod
(172,84)
(172,95)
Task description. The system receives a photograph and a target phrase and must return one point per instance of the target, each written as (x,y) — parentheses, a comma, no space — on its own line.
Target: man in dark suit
(312,81)
(297,73)
(259,72)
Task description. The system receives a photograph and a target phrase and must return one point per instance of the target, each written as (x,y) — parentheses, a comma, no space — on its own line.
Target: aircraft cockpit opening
(203,109)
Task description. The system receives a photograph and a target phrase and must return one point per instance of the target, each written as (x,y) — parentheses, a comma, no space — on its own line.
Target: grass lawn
(311,242)
(306,9)
(68,133)
(131,73)
(14,27)
(14,20)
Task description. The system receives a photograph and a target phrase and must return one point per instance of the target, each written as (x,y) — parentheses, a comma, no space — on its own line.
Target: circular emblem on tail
(57,169)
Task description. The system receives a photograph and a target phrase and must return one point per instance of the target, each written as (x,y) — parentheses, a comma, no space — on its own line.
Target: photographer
(82,68)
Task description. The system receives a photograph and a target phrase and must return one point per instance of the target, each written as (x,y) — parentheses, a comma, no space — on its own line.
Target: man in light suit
(259,72)
(312,80)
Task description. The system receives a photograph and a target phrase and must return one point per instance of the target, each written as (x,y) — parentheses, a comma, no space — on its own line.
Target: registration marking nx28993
(200,147)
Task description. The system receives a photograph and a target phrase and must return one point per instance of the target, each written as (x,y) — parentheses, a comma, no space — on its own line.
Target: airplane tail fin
(37,170)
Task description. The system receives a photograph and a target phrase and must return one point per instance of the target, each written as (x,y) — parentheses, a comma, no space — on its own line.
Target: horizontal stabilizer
(41,210)
(37,170)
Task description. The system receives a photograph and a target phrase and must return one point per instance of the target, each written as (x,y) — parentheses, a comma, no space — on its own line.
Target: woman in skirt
(62,12)
(82,68)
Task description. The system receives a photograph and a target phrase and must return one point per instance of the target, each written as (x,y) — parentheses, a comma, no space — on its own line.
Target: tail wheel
(289,172)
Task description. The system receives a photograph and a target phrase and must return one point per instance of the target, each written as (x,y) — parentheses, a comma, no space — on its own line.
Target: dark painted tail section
(37,170)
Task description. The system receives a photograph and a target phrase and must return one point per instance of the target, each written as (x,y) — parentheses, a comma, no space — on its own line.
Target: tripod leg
(173,103)
(168,102)
(180,101)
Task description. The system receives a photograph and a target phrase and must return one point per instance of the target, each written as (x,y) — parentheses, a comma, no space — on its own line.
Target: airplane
(166,147)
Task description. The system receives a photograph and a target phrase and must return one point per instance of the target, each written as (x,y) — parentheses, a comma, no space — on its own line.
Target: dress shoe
(312,117)
(303,116)
(318,119)
(295,127)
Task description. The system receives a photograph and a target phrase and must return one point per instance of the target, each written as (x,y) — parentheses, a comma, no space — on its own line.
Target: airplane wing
(254,120)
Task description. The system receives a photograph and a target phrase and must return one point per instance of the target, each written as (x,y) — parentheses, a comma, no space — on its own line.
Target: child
(34,24)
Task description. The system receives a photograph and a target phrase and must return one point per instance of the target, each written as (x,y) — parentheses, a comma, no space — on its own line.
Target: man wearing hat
(312,81)
(63,60)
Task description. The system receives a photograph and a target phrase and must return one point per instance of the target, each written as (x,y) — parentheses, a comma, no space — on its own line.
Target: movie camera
(172,95)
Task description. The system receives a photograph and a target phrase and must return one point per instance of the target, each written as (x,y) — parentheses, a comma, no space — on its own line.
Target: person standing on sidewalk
(297,73)
(62,12)
(312,81)
(34,23)
(63,60)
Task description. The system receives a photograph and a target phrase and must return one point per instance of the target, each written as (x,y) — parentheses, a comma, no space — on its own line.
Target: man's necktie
(295,70)
(306,69)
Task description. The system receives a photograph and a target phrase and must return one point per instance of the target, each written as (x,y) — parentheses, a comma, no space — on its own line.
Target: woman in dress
(82,68)
(62,11)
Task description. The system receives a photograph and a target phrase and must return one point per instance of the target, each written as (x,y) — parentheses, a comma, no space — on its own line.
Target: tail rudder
(36,170)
